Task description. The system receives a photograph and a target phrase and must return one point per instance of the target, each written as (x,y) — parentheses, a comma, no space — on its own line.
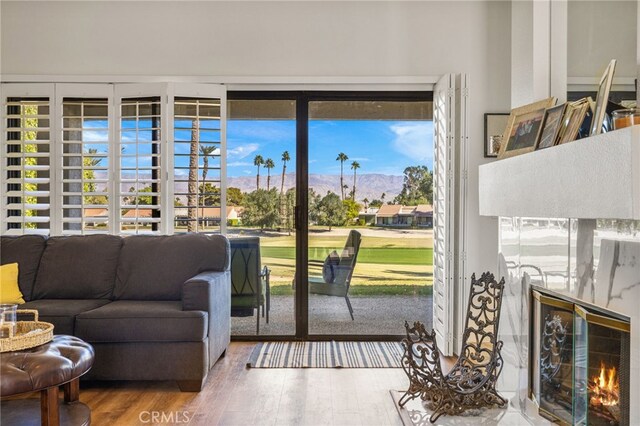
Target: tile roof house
(405,216)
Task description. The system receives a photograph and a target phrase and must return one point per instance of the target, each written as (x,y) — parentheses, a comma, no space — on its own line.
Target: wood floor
(235,395)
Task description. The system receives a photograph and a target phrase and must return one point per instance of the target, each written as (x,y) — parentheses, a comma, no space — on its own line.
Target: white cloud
(242,151)
(96,136)
(239,164)
(414,140)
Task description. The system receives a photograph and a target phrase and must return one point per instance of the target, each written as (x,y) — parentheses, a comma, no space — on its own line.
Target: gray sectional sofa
(153,307)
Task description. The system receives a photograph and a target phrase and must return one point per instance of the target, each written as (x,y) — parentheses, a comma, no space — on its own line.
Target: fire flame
(604,388)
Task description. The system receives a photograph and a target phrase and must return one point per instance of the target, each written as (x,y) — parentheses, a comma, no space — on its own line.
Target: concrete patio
(379,315)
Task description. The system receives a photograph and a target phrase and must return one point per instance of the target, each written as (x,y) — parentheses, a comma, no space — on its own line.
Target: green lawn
(394,256)
(389,263)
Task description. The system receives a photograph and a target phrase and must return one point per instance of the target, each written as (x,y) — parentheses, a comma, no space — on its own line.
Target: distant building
(96,217)
(424,215)
(368,215)
(395,215)
(140,213)
(207,216)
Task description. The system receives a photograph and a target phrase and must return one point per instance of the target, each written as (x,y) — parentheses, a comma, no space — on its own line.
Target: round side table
(45,368)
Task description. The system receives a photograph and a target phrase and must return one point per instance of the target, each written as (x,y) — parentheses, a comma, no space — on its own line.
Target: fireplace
(580,362)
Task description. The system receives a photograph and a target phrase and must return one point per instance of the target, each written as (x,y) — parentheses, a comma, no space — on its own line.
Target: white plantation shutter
(461,148)
(197,161)
(25,155)
(449,221)
(140,154)
(85,161)
(99,158)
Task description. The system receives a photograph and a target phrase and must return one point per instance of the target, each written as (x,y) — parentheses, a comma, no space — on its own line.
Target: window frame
(114,93)
(27,90)
(89,91)
(203,91)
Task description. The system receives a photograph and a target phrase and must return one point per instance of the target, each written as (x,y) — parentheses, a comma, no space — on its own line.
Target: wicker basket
(28,334)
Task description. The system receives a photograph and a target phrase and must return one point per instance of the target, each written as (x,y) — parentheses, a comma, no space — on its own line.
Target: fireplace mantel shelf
(596,177)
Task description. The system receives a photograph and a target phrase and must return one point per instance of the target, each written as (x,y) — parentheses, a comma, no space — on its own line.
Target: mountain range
(368,185)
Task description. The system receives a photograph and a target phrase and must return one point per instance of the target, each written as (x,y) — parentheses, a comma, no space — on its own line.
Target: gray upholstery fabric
(211,292)
(26,250)
(142,321)
(62,312)
(151,333)
(78,267)
(150,361)
(155,267)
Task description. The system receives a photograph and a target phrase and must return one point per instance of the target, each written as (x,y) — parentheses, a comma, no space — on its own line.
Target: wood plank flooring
(235,395)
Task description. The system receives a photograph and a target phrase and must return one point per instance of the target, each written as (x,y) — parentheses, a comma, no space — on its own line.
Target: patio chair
(249,280)
(471,382)
(343,271)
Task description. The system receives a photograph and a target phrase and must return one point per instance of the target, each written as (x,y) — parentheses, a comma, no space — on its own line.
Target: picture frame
(604,87)
(574,117)
(494,124)
(551,125)
(523,128)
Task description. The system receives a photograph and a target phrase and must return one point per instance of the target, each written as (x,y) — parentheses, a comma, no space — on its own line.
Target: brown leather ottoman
(44,368)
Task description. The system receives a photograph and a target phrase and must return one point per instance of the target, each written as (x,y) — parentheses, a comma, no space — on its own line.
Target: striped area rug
(326,355)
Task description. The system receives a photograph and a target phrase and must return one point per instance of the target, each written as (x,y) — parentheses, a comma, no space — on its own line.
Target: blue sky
(380,146)
(385,147)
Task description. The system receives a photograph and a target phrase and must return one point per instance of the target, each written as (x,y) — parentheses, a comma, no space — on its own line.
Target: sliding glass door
(354,258)
(261,194)
(370,213)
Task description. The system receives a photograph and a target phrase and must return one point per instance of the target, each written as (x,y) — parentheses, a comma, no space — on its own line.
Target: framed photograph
(602,98)
(551,124)
(521,134)
(575,115)
(494,125)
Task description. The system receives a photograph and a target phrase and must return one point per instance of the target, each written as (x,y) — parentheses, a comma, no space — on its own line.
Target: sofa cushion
(61,312)
(155,267)
(26,251)
(142,321)
(78,267)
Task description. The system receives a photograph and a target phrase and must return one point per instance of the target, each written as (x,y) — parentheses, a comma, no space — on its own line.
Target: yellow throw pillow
(9,290)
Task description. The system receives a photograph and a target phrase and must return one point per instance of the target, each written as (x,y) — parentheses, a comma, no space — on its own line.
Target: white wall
(281,39)
(250,38)
(599,31)
(521,53)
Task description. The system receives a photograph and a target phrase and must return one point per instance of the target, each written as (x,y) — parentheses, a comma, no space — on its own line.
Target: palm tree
(258,161)
(205,153)
(354,166)
(366,203)
(342,157)
(285,158)
(268,164)
(192,196)
(382,197)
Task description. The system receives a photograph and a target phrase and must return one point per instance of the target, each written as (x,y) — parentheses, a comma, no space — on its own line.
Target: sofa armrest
(205,291)
(211,292)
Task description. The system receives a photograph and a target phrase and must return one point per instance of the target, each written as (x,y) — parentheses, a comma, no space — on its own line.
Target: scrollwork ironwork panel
(471,382)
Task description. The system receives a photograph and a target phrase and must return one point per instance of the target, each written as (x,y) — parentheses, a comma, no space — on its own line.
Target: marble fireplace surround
(546,299)
(596,262)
